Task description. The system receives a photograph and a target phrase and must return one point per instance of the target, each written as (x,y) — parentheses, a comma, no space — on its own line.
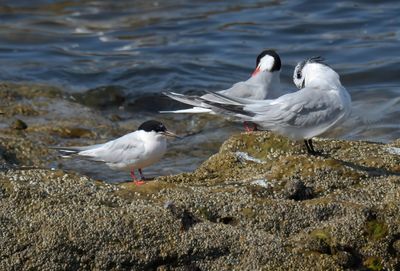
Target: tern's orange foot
(137,183)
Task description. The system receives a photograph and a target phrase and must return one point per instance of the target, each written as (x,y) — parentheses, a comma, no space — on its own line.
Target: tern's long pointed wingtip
(209,91)
(167,93)
(57,148)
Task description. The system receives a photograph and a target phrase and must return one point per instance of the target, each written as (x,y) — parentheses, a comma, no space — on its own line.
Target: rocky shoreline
(259,203)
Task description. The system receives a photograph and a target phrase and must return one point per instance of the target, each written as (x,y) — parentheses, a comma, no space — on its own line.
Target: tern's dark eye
(161,128)
(298,75)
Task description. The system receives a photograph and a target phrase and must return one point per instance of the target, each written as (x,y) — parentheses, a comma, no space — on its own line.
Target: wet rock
(73,132)
(317,241)
(150,103)
(296,189)
(376,229)
(14,91)
(186,218)
(102,97)
(396,247)
(274,208)
(22,109)
(17,149)
(345,259)
(373,263)
(19,125)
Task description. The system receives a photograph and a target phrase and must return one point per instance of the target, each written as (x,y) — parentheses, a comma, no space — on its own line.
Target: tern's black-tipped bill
(170,134)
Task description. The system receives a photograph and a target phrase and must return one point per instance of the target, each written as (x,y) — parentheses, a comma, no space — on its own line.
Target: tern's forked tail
(229,109)
(66,152)
(186,99)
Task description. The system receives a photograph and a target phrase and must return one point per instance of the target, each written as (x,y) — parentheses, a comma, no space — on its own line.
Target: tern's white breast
(147,148)
(155,148)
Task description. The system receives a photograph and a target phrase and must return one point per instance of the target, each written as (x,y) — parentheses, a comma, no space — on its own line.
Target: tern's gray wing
(67,152)
(125,149)
(308,107)
(305,108)
(186,99)
(242,89)
(225,99)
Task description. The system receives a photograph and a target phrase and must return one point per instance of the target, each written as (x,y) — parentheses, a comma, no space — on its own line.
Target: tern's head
(157,127)
(314,70)
(269,61)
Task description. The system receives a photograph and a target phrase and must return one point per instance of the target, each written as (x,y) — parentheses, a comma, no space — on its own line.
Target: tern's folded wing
(186,99)
(223,98)
(305,108)
(121,150)
(243,90)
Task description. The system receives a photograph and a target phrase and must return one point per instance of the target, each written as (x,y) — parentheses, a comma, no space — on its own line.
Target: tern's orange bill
(256,71)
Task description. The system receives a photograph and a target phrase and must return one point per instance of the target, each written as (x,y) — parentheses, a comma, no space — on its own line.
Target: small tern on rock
(135,150)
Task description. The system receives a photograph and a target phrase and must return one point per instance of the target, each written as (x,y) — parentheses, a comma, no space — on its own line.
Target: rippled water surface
(140,48)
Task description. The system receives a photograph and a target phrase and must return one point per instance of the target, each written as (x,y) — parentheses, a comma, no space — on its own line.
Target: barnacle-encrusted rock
(261,202)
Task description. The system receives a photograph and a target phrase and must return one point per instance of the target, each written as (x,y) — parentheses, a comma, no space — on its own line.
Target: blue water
(143,47)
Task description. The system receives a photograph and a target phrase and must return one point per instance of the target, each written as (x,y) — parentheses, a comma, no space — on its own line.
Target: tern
(135,150)
(321,103)
(264,83)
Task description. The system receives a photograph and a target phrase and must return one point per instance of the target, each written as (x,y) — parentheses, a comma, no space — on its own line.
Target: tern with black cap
(264,83)
(136,150)
(320,104)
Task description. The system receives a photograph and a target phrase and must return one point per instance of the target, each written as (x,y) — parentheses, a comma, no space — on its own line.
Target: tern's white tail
(67,152)
(193,110)
(186,99)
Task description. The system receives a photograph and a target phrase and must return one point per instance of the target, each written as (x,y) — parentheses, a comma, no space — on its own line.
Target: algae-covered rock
(102,97)
(19,125)
(260,203)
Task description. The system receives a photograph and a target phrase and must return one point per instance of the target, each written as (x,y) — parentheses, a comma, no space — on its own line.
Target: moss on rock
(261,202)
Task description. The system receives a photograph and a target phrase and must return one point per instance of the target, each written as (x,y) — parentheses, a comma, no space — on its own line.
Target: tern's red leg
(133,174)
(248,128)
(134,179)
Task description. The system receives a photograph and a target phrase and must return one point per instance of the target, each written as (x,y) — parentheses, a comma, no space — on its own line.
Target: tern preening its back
(321,103)
(264,83)
(135,150)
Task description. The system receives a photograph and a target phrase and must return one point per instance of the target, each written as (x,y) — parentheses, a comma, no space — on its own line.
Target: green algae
(259,144)
(373,263)
(72,132)
(205,213)
(251,225)
(248,213)
(17,91)
(129,190)
(321,234)
(376,229)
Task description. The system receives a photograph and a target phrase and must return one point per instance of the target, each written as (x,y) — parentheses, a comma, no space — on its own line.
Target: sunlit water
(143,47)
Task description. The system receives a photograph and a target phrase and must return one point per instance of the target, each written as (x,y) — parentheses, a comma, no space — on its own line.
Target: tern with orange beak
(264,83)
(321,103)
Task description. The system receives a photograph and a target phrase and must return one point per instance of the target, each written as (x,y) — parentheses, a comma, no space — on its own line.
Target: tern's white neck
(270,82)
(321,76)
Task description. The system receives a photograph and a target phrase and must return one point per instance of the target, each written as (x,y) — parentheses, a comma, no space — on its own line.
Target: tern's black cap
(277,59)
(152,125)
